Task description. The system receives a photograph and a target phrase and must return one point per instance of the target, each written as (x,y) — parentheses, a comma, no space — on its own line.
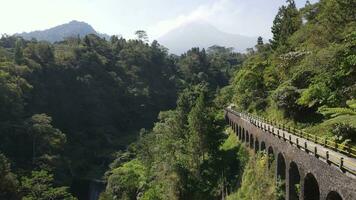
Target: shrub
(344,132)
(285,98)
(302,79)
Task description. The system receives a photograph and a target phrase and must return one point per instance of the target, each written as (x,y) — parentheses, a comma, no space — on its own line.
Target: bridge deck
(345,163)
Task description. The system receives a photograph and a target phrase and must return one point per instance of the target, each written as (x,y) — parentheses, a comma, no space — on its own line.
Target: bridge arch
(294,181)
(251,141)
(243,135)
(281,166)
(257,145)
(311,188)
(263,146)
(281,172)
(247,136)
(270,156)
(333,196)
(239,132)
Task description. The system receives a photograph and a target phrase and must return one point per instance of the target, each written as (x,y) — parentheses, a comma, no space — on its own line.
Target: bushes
(285,98)
(344,132)
(249,87)
(302,79)
(39,186)
(8,181)
(127,181)
(256,183)
(316,95)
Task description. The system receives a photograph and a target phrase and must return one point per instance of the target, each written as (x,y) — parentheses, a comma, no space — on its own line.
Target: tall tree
(39,186)
(18,52)
(8,181)
(46,140)
(287,21)
(141,35)
(259,40)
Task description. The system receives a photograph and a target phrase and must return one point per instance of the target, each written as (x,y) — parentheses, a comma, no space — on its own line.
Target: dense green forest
(304,76)
(68,108)
(151,125)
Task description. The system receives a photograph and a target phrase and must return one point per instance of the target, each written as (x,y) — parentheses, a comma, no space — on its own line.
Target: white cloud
(203,12)
(250,18)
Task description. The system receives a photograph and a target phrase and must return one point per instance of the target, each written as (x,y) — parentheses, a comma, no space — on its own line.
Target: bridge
(312,168)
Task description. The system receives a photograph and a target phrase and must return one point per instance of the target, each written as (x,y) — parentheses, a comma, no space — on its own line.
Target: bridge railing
(270,125)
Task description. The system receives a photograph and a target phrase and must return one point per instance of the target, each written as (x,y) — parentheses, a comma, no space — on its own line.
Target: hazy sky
(246,17)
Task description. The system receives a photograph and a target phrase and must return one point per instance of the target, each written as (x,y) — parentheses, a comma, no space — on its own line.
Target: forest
(150,125)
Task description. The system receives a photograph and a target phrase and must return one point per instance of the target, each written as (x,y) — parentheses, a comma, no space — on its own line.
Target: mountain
(58,33)
(202,34)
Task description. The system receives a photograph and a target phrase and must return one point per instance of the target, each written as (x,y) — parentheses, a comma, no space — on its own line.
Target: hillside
(60,32)
(306,76)
(203,35)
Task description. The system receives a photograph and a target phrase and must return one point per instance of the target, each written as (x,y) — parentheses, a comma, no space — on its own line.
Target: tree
(46,140)
(286,22)
(260,45)
(141,35)
(41,52)
(335,112)
(285,98)
(194,66)
(221,50)
(198,129)
(18,52)
(309,11)
(8,181)
(39,186)
(259,40)
(128,181)
(204,136)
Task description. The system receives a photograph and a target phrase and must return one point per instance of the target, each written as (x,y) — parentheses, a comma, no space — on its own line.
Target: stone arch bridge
(311,171)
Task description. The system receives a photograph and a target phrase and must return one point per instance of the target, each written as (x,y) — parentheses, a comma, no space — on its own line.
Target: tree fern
(334,112)
(351,103)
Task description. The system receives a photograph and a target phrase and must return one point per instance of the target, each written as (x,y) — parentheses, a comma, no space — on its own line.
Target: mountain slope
(60,32)
(204,35)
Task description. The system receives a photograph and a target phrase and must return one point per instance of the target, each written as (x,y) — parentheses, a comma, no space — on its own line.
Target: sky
(156,17)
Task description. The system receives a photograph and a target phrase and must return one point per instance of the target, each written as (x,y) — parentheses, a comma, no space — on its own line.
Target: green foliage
(39,186)
(8,181)
(46,140)
(287,21)
(325,128)
(18,52)
(183,156)
(128,181)
(203,137)
(41,53)
(280,189)
(102,93)
(343,132)
(285,98)
(340,111)
(250,87)
(315,95)
(302,79)
(13,90)
(256,183)
(141,35)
